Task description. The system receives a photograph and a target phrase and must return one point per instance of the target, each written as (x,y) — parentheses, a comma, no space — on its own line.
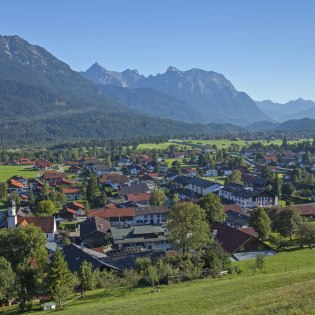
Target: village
(112,210)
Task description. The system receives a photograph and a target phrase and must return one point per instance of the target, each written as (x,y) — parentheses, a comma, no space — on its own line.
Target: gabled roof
(111,213)
(94,224)
(139,197)
(133,189)
(230,238)
(47,224)
(15,184)
(67,191)
(75,256)
(54,175)
(127,261)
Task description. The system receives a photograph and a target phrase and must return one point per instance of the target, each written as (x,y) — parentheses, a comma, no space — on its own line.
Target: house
(147,179)
(75,255)
(75,169)
(141,199)
(133,169)
(150,215)
(247,197)
(241,244)
(212,172)
(140,188)
(114,180)
(74,193)
(236,216)
(118,260)
(100,169)
(126,260)
(114,215)
(202,186)
(60,182)
(94,230)
(51,176)
(17,187)
(190,172)
(72,211)
(43,164)
(146,236)
(25,161)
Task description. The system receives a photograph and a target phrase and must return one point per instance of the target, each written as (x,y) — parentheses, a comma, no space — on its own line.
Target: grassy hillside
(287,287)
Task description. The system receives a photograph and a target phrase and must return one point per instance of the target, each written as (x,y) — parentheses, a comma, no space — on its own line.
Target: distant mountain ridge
(211,97)
(295,109)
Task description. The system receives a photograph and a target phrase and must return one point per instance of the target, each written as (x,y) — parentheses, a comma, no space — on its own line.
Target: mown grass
(283,288)
(7,171)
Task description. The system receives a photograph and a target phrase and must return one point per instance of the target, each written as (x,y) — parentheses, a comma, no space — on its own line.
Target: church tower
(12,217)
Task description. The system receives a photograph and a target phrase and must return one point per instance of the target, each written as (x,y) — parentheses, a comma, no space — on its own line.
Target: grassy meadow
(7,171)
(222,143)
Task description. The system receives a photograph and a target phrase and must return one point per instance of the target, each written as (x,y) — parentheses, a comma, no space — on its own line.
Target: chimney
(214,233)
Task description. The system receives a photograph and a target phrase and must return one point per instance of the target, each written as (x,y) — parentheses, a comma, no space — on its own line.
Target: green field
(222,143)
(7,171)
(287,287)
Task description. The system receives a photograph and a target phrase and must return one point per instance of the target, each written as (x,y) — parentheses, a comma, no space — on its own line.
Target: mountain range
(43,100)
(296,109)
(205,96)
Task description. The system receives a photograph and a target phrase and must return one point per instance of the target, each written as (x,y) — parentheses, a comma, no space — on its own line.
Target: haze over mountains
(42,99)
(296,109)
(208,95)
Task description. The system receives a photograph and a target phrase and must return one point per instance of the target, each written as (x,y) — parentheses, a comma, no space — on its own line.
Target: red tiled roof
(78,204)
(138,197)
(71,190)
(54,175)
(47,224)
(111,213)
(15,184)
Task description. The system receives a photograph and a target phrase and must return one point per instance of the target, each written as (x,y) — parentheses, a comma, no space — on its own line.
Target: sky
(264,47)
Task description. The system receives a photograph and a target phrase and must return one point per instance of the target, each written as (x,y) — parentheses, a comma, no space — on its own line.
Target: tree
(188,226)
(235,178)
(59,279)
(261,222)
(288,222)
(213,208)
(277,186)
(3,191)
(306,233)
(131,278)
(7,280)
(109,281)
(260,262)
(158,197)
(87,279)
(175,198)
(92,190)
(30,285)
(24,244)
(216,258)
(46,207)
(288,189)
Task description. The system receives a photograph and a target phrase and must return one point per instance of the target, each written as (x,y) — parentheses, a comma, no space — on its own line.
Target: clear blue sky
(265,47)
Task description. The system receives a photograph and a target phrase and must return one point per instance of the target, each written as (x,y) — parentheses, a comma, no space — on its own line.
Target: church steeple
(12,217)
